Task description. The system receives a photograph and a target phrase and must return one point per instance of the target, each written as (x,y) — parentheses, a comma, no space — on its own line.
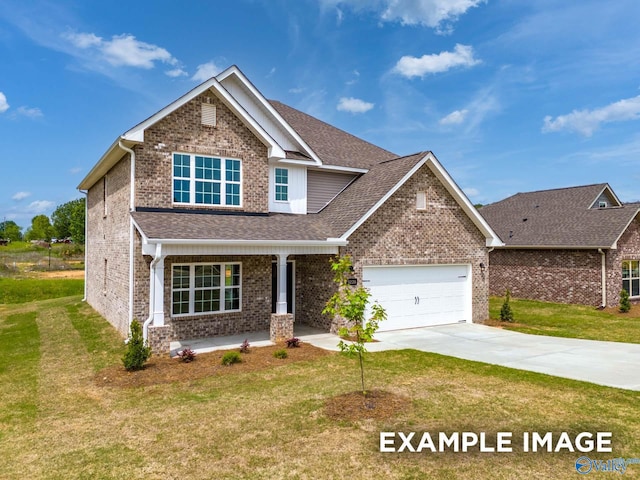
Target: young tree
(40,229)
(9,229)
(138,352)
(68,220)
(351,303)
(506,314)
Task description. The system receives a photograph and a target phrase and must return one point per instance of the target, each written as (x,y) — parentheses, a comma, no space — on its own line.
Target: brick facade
(107,243)
(564,276)
(399,234)
(182,132)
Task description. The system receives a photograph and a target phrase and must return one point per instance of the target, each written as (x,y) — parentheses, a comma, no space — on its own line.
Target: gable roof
(335,223)
(332,145)
(560,218)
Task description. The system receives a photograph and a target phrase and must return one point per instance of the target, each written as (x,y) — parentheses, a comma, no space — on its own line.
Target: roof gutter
(333,242)
(152,291)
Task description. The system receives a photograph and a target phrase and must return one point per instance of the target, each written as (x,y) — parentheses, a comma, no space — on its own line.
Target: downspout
(132,197)
(86,213)
(152,290)
(604,277)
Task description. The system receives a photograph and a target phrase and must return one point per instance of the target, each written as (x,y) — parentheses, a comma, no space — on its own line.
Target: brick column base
(281,327)
(337,323)
(159,339)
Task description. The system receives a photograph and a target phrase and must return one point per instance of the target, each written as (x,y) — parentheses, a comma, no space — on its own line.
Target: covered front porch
(262,338)
(200,292)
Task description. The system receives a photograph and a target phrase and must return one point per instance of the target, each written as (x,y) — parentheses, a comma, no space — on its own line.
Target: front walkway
(611,364)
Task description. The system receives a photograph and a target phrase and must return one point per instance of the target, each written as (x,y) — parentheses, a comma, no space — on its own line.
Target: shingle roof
(332,145)
(332,222)
(558,218)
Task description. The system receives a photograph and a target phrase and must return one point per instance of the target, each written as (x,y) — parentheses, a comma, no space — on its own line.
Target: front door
(274,286)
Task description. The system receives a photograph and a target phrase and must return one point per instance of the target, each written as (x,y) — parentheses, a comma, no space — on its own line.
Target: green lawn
(575,321)
(21,290)
(57,423)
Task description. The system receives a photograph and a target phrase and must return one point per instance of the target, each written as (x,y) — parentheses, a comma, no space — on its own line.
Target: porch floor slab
(255,339)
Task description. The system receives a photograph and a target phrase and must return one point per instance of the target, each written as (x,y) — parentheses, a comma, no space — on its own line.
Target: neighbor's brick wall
(182,131)
(563,276)
(256,301)
(628,249)
(108,239)
(399,234)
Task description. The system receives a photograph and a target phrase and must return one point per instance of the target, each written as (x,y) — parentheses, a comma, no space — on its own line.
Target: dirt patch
(376,404)
(163,369)
(79,274)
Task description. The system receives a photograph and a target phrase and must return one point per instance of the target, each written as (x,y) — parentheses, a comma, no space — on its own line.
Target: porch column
(157,297)
(281,299)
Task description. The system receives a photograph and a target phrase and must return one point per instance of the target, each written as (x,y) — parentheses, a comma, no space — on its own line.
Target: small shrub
(244,348)
(293,342)
(230,358)
(506,314)
(138,352)
(186,355)
(282,353)
(625,303)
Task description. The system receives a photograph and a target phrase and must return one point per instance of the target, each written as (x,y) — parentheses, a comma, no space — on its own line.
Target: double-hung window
(203,180)
(205,288)
(282,184)
(631,277)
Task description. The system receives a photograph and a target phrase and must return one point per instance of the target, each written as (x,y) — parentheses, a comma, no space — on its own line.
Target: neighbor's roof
(560,218)
(332,145)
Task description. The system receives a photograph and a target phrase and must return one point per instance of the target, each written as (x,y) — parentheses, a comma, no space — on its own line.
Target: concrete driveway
(606,363)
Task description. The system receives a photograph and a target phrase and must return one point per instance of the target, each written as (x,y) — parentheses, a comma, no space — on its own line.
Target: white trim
(235,71)
(293,284)
(613,195)
(633,217)
(340,169)
(555,247)
(491,237)
(192,289)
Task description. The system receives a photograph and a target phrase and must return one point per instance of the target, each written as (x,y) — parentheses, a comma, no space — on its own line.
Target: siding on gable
(323,186)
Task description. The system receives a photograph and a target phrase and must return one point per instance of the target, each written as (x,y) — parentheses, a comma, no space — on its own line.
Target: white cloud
(436,14)
(39,206)
(29,112)
(4,105)
(21,195)
(297,90)
(454,118)
(354,105)
(471,192)
(205,71)
(121,50)
(462,56)
(176,72)
(75,170)
(586,122)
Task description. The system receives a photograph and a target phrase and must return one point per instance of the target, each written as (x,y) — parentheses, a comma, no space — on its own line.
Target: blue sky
(510,95)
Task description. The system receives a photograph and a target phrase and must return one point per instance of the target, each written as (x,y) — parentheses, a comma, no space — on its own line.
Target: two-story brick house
(219,215)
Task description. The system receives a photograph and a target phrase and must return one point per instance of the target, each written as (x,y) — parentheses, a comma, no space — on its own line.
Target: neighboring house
(568,245)
(219,215)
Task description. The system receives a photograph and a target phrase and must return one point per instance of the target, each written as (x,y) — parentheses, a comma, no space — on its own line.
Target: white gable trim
(235,71)
(492,239)
(633,217)
(608,189)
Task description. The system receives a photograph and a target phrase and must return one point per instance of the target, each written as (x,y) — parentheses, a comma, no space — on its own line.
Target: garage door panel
(415,296)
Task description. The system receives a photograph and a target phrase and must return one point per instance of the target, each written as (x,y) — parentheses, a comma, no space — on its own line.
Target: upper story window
(282,184)
(202,180)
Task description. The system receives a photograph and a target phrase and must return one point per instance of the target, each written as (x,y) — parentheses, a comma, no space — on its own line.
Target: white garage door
(420,296)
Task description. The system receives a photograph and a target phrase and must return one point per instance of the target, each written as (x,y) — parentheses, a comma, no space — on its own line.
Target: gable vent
(208,115)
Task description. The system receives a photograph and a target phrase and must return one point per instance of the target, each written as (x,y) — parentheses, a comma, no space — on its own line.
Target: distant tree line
(67,221)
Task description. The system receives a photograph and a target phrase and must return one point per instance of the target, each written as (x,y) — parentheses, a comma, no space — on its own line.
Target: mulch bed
(376,404)
(163,369)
